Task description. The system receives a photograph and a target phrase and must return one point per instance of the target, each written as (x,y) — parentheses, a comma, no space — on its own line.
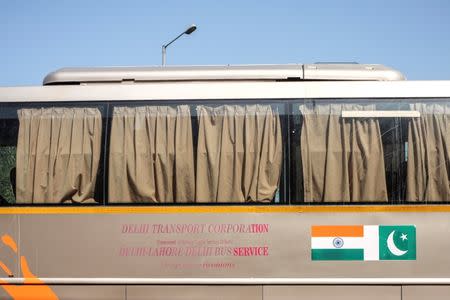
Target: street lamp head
(191,29)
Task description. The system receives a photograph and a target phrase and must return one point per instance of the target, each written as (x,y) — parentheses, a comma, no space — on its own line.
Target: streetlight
(190,30)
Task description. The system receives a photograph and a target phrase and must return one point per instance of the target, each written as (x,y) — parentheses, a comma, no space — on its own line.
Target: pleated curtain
(151,155)
(58,154)
(239,153)
(428,173)
(342,159)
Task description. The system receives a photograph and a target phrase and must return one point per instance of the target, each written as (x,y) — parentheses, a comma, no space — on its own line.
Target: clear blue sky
(40,36)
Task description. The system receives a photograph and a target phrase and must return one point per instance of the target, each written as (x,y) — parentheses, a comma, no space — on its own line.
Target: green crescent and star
(397,242)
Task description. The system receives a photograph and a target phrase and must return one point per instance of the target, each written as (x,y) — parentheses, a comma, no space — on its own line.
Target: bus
(302,181)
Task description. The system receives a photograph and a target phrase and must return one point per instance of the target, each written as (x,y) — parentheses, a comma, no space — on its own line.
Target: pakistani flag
(363,242)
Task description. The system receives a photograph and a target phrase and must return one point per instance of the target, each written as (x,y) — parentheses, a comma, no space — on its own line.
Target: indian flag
(363,242)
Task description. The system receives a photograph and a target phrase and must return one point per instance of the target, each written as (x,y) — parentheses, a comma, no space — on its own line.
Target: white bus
(319,181)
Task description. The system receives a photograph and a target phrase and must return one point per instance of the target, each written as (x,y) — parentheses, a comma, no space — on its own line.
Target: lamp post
(189,30)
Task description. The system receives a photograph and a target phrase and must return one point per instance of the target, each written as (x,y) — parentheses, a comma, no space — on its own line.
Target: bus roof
(298,72)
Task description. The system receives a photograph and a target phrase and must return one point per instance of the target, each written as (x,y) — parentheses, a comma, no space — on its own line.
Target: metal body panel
(332,292)
(80,292)
(425,292)
(194,292)
(229,90)
(99,246)
(9,225)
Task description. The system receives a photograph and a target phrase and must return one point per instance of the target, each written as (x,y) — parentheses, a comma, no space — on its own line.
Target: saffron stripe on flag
(337,231)
(337,254)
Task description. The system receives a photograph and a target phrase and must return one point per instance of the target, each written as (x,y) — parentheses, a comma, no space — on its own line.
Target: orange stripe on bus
(8,241)
(341,230)
(5,269)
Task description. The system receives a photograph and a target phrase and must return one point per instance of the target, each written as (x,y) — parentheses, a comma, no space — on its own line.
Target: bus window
(239,153)
(394,136)
(428,175)
(198,153)
(295,168)
(151,155)
(8,140)
(56,153)
(370,151)
(342,159)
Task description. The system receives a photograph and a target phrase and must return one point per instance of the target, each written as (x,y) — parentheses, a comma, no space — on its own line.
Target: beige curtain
(428,175)
(239,155)
(151,155)
(58,153)
(342,158)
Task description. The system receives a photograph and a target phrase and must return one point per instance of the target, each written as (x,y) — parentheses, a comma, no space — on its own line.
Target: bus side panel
(142,245)
(270,245)
(9,241)
(9,250)
(319,292)
(425,292)
(194,292)
(8,245)
(81,292)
